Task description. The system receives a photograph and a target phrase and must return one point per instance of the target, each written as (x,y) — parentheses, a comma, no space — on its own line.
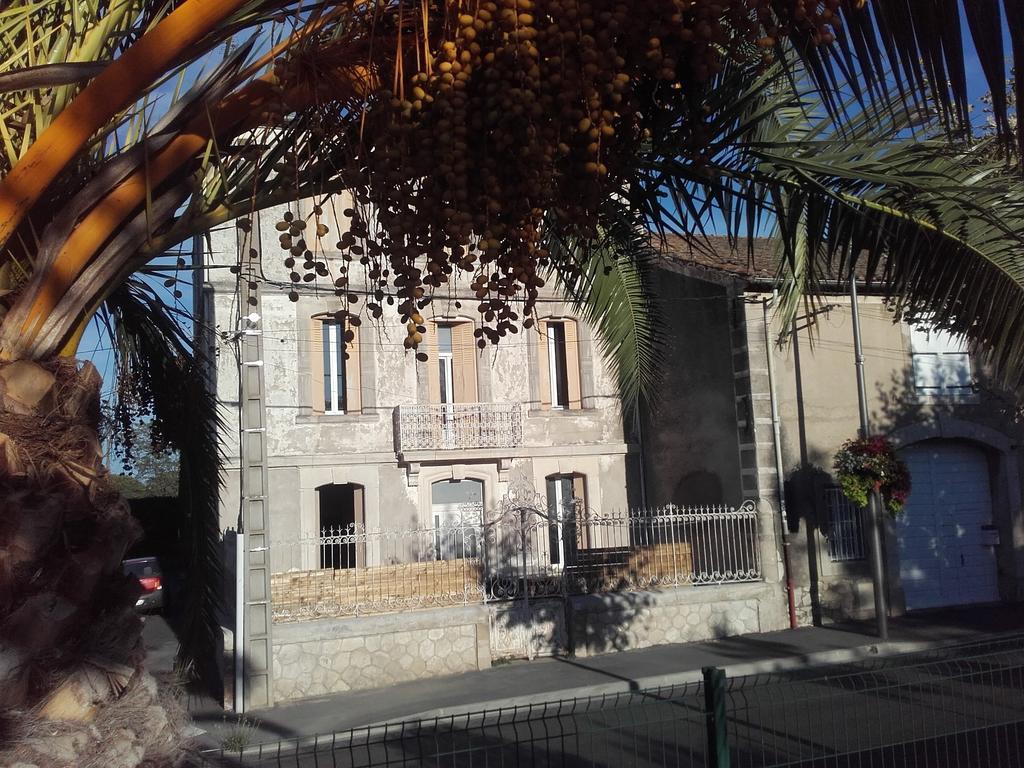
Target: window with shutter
(941,363)
(559,365)
(334,357)
(451,363)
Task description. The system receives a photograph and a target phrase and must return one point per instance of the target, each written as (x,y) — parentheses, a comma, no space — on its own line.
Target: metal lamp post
(875,499)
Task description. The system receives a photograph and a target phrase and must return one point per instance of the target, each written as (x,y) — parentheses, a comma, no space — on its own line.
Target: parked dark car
(147,571)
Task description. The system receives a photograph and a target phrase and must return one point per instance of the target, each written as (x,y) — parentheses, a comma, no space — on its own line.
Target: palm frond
(917,50)
(939,223)
(611,289)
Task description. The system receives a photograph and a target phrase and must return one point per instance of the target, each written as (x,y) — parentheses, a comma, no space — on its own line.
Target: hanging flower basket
(862,465)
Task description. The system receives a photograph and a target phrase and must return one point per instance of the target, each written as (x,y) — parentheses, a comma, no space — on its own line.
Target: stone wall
(625,621)
(314,658)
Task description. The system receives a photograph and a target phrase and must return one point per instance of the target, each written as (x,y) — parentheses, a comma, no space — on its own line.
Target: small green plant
(240,735)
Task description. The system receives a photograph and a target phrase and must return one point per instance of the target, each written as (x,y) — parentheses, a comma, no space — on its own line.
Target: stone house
(371,488)
(753,408)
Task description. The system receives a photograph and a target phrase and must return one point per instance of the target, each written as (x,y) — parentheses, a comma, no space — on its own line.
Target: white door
(942,558)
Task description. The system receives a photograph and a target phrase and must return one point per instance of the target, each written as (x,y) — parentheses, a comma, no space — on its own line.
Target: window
(335,400)
(334,357)
(445,364)
(457,509)
(559,365)
(845,527)
(942,366)
(566,496)
(451,363)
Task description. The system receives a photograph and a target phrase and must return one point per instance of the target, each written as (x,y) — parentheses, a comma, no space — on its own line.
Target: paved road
(960,707)
(543,680)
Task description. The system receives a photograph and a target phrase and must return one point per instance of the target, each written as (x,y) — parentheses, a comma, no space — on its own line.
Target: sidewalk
(528,682)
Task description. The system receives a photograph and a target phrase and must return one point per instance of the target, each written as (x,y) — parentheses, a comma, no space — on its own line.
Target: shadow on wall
(699,487)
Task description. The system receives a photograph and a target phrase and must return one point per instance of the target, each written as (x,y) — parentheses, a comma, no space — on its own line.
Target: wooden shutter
(543,367)
(316,363)
(464,362)
(353,379)
(572,364)
(433,377)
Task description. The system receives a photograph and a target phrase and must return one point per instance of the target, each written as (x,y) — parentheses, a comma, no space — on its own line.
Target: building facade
(359,432)
(409,517)
(780,401)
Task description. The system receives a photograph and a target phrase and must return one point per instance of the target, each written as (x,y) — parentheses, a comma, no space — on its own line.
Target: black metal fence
(959,706)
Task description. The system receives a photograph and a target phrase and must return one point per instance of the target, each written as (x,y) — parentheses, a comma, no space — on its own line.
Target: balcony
(458,426)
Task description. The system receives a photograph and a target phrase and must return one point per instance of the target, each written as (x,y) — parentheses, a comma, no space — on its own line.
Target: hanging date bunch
(499,117)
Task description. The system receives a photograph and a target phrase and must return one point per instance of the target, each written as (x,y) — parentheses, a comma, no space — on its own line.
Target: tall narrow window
(335,391)
(566,498)
(446,364)
(558,373)
(559,365)
(335,379)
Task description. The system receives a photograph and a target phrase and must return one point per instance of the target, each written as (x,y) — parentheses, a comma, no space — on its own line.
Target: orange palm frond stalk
(116,87)
(51,307)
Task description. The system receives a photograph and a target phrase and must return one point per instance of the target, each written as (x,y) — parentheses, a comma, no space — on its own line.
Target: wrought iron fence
(452,426)
(522,553)
(956,707)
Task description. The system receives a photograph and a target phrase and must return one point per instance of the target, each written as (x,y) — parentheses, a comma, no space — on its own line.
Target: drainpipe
(779,473)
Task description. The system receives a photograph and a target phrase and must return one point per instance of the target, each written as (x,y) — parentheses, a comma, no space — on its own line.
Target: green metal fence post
(714,711)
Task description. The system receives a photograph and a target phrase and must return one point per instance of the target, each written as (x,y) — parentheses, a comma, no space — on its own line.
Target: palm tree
(665,115)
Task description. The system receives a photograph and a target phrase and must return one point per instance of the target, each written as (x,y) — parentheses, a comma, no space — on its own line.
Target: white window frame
(334,342)
(446,362)
(555,391)
(945,354)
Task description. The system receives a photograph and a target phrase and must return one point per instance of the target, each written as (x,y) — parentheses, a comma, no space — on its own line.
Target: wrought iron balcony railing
(458,426)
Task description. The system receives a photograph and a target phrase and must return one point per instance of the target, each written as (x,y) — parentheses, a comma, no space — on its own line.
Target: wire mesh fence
(527,552)
(957,707)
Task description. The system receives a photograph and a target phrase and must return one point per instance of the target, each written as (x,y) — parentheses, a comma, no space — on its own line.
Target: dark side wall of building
(691,450)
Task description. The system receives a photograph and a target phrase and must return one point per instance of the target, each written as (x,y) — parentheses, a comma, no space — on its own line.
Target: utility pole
(875,499)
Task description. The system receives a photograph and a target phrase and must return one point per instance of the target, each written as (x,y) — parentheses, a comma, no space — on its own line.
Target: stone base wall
(845,599)
(624,621)
(517,634)
(314,658)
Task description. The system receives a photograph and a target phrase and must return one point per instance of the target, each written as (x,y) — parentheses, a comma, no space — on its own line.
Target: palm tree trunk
(65,606)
